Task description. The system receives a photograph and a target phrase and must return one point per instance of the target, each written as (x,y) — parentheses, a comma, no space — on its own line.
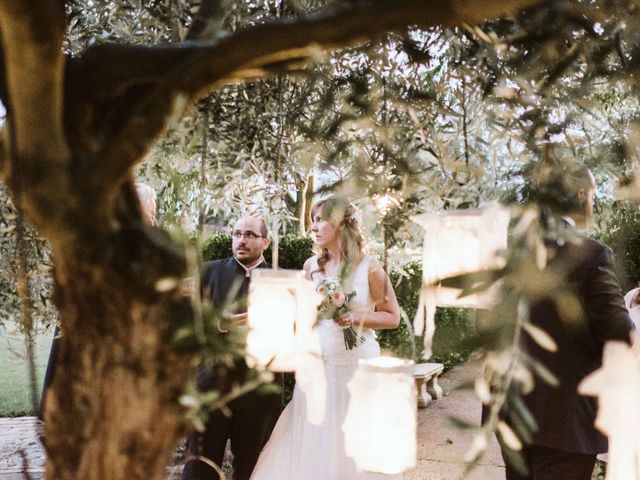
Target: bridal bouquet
(335,305)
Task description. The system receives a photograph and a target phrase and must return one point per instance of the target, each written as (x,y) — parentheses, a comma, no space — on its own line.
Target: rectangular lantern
(616,384)
(281,316)
(380,425)
(283,306)
(458,242)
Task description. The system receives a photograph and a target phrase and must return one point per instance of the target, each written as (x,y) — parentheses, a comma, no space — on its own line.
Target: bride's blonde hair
(343,215)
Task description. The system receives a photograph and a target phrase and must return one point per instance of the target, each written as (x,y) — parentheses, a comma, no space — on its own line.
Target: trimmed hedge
(453,326)
(622,234)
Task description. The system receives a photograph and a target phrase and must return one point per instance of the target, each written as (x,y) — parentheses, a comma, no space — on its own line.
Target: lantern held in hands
(283,307)
(281,316)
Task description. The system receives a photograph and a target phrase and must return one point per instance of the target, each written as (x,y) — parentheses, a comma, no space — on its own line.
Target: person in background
(254,414)
(566,442)
(147,198)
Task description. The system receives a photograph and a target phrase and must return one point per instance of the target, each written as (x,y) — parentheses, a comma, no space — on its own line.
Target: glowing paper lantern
(380,426)
(281,315)
(617,385)
(281,318)
(458,242)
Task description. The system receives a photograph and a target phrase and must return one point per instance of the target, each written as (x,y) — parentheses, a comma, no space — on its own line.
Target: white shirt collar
(247,270)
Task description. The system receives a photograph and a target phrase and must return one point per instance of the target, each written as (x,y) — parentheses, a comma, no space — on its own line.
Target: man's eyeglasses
(237,234)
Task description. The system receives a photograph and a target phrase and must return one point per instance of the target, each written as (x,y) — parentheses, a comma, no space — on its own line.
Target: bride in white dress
(298,450)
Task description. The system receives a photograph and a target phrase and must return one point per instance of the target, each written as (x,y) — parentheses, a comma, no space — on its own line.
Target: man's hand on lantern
(232,320)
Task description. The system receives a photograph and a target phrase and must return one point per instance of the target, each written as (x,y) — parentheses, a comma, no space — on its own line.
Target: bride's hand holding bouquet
(336,307)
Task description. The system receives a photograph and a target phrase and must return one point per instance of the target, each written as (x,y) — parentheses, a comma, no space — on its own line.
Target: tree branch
(251,52)
(31,32)
(255,51)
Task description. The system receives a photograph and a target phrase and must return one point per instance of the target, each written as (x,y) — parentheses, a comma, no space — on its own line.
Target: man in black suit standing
(253,415)
(566,443)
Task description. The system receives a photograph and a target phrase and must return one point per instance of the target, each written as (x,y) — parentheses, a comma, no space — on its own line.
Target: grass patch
(14,373)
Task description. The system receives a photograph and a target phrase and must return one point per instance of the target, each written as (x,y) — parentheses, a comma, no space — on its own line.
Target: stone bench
(426,377)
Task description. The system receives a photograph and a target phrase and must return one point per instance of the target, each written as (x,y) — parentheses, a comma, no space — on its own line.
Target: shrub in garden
(217,247)
(622,233)
(454,326)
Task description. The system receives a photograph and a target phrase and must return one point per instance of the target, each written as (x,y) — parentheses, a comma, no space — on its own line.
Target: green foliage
(407,283)
(399,341)
(600,470)
(453,326)
(39,265)
(622,234)
(217,247)
(454,329)
(293,251)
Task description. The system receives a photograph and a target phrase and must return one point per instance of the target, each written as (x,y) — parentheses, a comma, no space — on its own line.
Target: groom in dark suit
(253,415)
(566,442)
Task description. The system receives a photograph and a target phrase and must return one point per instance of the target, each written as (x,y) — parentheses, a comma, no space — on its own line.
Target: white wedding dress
(299,450)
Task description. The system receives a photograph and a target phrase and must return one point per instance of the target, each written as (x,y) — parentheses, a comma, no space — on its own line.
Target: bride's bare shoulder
(308,265)
(374,264)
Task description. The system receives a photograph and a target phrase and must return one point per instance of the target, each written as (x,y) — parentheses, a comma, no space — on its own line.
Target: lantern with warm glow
(283,307)
(617,385)
(380,426)
(458,242)
(282,313)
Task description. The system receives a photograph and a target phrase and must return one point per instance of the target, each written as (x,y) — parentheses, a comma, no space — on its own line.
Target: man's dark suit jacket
(564,417)
(218,279)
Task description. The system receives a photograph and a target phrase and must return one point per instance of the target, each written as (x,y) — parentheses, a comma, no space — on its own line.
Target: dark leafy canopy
(430,119)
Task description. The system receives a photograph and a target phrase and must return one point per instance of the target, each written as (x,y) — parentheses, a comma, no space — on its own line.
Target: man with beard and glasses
(253,415)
